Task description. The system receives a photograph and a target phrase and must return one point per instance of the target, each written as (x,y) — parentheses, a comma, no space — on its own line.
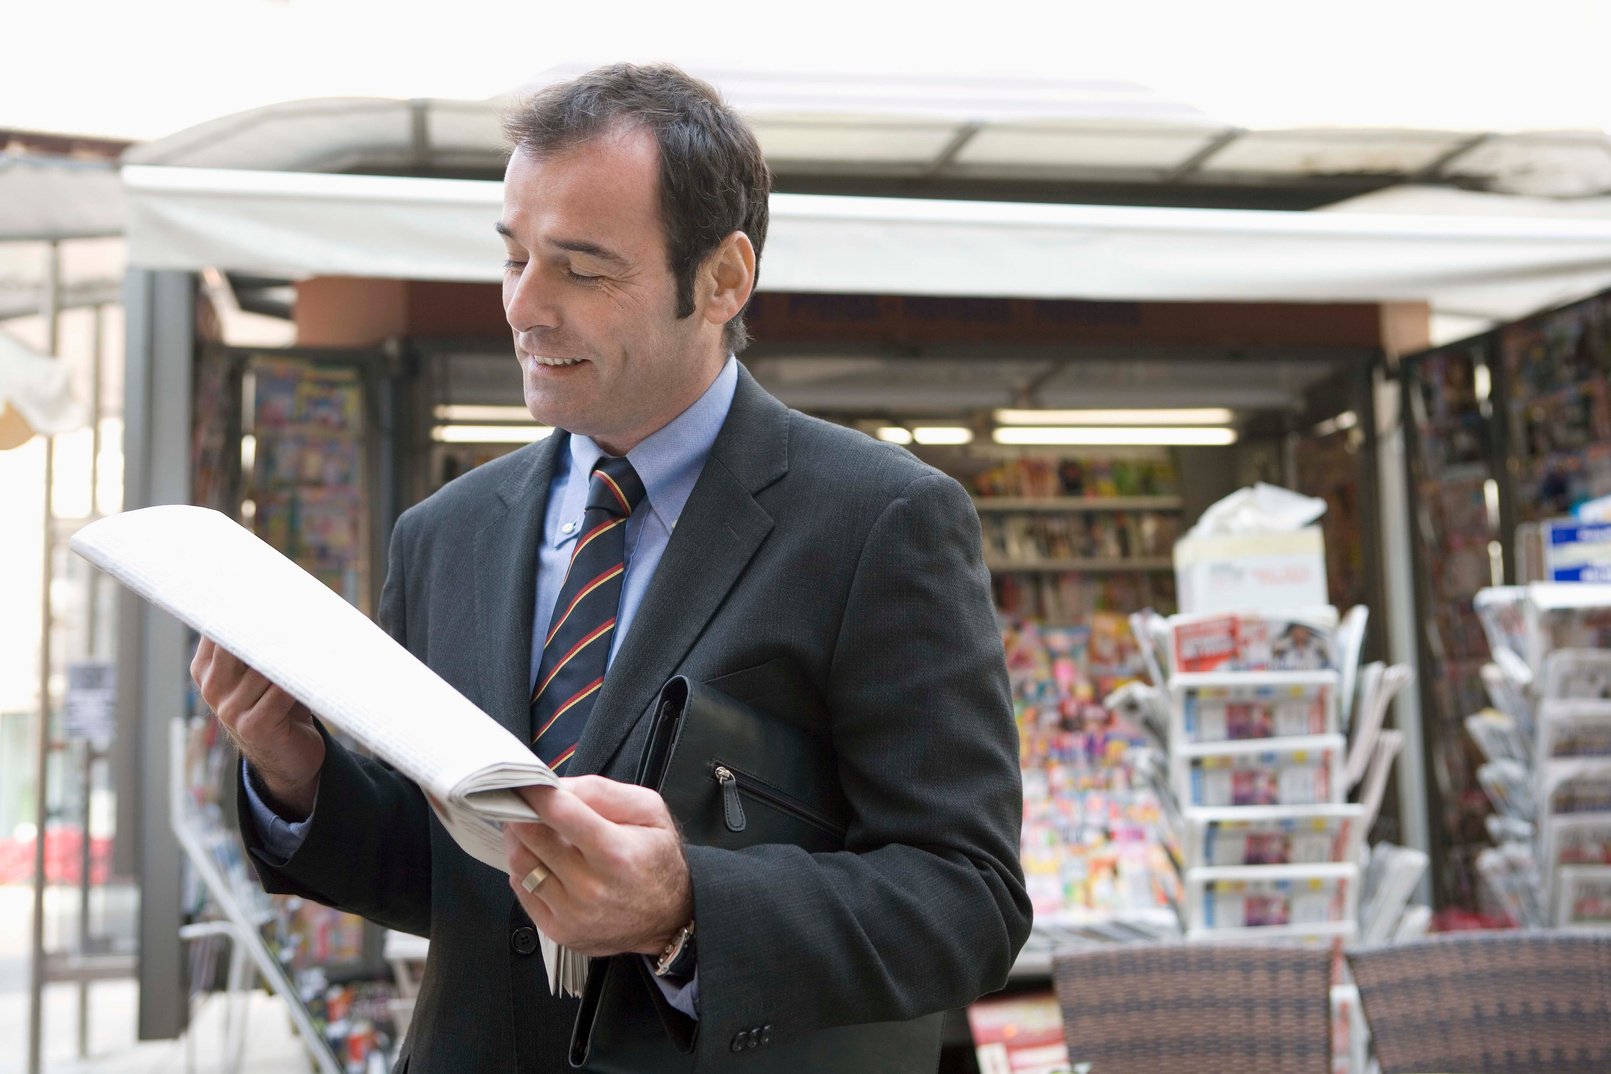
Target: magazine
(1509,788)
(1510,876)
(1350,643)
(1502,611)
(1569,729)
(1019,1034)
(1509,697)
(1275,704)
(1268,772)
(1350,1035)
(1580,785)
(1583,896)
(1373,789)
(1274,835)
(1248,641)
(1294,899)
(1392,874)
(1575,839)
(1577,675)
(1496,736)
(1566,616)
(1378,687)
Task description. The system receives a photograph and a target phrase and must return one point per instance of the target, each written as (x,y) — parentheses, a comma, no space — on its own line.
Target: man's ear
(729,278)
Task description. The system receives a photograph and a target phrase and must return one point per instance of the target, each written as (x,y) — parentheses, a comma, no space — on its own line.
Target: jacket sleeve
(925,910)
(367,849)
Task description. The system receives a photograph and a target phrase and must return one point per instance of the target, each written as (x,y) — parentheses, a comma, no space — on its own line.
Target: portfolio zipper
(733,805)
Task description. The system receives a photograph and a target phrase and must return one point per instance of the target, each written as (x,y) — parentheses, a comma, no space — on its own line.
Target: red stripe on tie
(562,758)
(619,568)
(566,707)
(578,647)
(588,537)
(619,495)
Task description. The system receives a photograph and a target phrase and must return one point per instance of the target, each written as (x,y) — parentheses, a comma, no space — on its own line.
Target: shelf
(1058,566)
(1077,503)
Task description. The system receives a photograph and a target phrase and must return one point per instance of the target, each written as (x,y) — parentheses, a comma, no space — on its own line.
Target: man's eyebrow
(575,246)
(591,249)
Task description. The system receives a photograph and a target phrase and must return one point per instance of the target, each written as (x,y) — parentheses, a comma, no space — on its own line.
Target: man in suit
(821,576)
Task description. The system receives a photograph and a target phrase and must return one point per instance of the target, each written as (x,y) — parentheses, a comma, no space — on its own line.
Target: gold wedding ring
(534,879)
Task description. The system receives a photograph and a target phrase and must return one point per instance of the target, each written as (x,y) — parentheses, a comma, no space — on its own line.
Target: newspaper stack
(1547,749)
(1260,747)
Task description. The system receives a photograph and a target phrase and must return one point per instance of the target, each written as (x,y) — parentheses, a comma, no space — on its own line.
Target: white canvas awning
(298,225)
(48,198)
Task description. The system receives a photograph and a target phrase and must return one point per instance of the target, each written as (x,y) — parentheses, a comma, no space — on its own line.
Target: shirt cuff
(681,992)
(281,838)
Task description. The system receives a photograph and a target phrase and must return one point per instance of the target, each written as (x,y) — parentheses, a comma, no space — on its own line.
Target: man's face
(590,298)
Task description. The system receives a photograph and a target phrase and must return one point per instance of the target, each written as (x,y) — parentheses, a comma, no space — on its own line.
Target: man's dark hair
(713,178)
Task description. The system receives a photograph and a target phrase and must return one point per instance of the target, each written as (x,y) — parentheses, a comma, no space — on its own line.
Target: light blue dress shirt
(669,462)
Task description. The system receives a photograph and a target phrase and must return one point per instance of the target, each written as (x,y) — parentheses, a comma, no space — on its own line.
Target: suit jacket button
(739,1040)
(755,1037)
(766,1034)
(523,940)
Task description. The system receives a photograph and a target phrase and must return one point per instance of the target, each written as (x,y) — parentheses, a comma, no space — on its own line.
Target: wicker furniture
(1196,1009)
(1492,1002)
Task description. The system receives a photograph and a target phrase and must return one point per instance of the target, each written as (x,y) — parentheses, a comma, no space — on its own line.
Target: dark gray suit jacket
(815,573)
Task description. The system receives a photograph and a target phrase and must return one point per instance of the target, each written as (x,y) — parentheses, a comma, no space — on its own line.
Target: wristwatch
(678,960)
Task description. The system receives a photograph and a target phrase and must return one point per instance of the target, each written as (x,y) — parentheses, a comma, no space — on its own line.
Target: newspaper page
(229,585)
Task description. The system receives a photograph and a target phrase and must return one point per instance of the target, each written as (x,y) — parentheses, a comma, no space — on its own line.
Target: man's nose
(529,302)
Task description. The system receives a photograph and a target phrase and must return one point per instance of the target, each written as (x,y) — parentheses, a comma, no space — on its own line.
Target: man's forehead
(596,185)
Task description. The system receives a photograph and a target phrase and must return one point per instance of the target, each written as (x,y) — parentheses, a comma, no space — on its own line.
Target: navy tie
(577,648)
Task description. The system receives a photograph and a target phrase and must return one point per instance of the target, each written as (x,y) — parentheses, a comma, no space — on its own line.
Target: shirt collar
(668,461)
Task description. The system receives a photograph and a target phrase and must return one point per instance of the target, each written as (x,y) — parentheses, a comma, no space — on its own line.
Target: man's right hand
(274,731)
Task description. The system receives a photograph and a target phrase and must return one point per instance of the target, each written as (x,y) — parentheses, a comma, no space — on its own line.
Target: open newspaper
(230,586)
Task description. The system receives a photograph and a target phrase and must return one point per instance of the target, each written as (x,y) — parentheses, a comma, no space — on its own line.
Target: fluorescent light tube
(1213,415)
(942,434)
(926,434)
(1115,435)
(489,434)
(508,415)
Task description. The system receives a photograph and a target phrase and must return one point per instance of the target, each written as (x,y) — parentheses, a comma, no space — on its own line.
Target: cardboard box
(1251,572)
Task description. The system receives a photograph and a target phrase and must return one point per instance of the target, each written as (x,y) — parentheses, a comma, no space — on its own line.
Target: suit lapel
(719,532)
(506,553)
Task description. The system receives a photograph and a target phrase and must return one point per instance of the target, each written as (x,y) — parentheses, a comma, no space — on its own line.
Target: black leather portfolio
(733,777)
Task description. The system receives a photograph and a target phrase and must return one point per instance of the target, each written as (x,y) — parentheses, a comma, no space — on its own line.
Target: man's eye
(513,266)
(578,277)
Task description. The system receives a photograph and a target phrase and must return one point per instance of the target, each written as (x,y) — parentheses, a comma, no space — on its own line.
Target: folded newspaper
(230,586)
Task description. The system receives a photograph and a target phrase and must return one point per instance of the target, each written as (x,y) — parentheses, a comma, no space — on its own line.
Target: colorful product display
(1066,538)
(289,462)
(356,1022)
(307,479)
(1533,395)
(1111,536)
(1093,477)
(1254,642)
(1090,842)
(1227,708)
(1076,597)
(1454,483)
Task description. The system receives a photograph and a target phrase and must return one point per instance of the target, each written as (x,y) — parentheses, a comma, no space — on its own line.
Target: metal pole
(91,647)
(36,970)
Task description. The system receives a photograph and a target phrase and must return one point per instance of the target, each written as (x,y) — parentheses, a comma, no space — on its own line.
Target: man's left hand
(617,880)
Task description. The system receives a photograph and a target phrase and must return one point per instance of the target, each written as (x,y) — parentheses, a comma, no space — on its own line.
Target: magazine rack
(1548,752)
(206,845)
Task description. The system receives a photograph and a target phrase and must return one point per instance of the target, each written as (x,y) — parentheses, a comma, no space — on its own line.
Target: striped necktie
(577,648)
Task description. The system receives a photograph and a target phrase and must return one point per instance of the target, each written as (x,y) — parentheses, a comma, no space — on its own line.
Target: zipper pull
(732,808)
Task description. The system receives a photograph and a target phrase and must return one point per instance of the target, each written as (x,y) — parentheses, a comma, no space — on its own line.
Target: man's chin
(549,404)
